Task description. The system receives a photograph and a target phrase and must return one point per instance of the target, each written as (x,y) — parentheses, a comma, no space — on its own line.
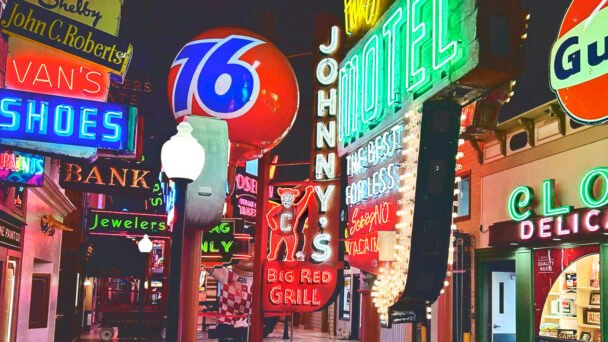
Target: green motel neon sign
(416,49)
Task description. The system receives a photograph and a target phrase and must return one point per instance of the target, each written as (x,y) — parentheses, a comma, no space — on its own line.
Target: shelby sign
(108,176)
(556,222)
(106,222)
(43,26)
(67,126)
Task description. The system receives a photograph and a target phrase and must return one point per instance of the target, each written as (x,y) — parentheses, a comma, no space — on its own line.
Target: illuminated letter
(586,188)
(325,166)
(390,30)
(371,67)
(332,75)
(349,99)
(591,227)
(326,102)
(72,169)
(33,116)
(69,122)
(109,125)
(95,175)
(521,197)
(559,222)
(526,230)
(548,199)
(327,133)
(440,16)
(85,123)
(324,197)
(333,42)
(414,77)
(13,115)
(320,244)
(544,229)
(114,173)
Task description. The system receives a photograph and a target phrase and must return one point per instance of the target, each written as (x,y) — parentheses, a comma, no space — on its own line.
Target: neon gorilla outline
(289,214)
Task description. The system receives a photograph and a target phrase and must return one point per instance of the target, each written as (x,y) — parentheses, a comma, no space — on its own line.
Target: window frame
(465,175)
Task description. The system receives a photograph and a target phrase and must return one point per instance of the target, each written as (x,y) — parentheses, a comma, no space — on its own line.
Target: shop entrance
(499,293)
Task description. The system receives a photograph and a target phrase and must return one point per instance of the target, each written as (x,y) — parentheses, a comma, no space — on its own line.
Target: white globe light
(182,156)
(145,244)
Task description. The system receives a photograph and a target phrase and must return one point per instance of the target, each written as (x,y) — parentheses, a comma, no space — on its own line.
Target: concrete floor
(300,335)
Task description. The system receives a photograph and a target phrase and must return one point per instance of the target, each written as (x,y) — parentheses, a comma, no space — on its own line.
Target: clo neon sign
(417,48)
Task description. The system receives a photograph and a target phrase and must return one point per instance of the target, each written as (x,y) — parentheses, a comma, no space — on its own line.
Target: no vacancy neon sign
(43,123)
(416,49)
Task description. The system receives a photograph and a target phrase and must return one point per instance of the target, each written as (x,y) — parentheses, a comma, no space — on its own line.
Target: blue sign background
(67,121)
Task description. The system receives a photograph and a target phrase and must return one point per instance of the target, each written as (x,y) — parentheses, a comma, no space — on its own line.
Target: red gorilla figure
(289,215)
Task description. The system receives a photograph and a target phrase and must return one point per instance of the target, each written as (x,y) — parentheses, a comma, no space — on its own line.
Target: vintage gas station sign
(45,27)
(107,222)
(34,68)
(223,243)
(579,68)
(113,176)
(21,168)
(67,126)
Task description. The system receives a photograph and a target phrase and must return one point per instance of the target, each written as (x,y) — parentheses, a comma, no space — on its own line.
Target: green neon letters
(586,188)
(417,48)
(548,200)
(521,197)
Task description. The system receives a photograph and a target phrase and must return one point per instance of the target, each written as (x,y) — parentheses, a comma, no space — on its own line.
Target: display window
(567,293)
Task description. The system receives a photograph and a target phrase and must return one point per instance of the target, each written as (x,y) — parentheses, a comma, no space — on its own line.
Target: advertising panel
(20,168)
(44,123)
(223,243)
(45,27)
(107,222)
(111,176)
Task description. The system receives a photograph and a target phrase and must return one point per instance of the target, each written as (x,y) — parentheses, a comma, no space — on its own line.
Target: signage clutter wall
(44,122)
(21,168)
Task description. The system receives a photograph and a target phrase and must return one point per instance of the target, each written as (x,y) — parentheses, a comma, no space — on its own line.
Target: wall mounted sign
(223,243)
(256,84)
(578,67)
(44,123)
(35,68)
(397,65)
(45,27)
(10,236)
(555,222)
(130,91)
(373,196)
(103,15)
(244,200)
(107,222)
(112,176)
(301,272)
(21,168)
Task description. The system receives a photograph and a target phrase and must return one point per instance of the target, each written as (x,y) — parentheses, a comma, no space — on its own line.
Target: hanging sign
(103,15)
(45,27)
(10,236)
(20,168)
(131,92)
(579,62)
(414,50)
(223,243)
(107,222)
(45,123)
(111,176)
(244,196)
(34,68)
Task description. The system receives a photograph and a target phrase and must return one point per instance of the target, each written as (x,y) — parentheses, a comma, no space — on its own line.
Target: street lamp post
(145,247)
(183,159)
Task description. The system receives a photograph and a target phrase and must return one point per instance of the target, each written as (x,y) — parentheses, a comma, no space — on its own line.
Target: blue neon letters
(54,119)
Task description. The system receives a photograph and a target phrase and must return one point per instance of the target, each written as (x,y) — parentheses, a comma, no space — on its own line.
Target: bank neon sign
(415,49)
(44,122)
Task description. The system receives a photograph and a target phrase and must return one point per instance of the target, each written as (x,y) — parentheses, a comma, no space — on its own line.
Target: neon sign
(21,168)
(33,68)
(415,49)
(359,14)
(222,243)
(43,122)
(106,222)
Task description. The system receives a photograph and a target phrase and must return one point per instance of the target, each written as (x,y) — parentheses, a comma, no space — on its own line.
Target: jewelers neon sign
(415,49)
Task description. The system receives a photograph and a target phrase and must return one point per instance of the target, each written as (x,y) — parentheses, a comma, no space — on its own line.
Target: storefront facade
(540,267)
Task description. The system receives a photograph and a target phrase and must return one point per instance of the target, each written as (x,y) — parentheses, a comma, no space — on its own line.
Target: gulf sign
(579,62)
(34,68)
(65,126)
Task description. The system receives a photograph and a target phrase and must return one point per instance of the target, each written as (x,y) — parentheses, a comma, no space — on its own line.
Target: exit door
(503,307)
